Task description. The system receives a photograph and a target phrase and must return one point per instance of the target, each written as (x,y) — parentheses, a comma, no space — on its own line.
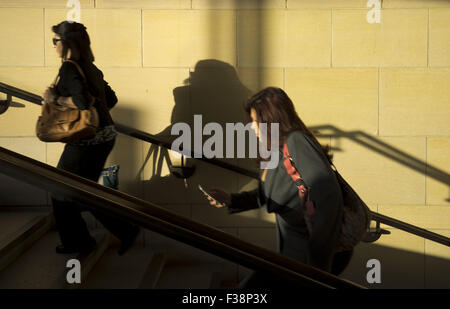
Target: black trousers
(87,162)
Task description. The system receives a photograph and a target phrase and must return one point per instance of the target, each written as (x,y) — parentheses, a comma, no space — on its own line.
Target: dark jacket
(280,196)
(71,84)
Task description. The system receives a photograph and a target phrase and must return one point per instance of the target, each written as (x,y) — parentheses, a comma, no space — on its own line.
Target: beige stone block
(144,4)
(309,37)
(14,191)
(182,38)
(426,217)
(412,4)
(344,98)
(147,98)
(434,249)
(54,152)
(183,210)
(182,254)
(26,146)
(256,79)
(159,185)
(380,169)
(325,4)
(22,37)
(438,161)
(356,270)
(238,4)
(220,217)
(261,237)
(414,101)
(439,41)
(400,39)
(20,119)
(246,183)
(437,263)
(261,38)
(209,176)
(115,36)
(402,260)
(44,3)
(217,93)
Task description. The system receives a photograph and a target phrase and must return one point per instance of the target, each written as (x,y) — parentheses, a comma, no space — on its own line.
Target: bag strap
(78,68)
(303,190)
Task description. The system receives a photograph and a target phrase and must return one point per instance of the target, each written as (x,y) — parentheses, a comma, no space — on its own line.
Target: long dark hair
(74,37)
(272,105)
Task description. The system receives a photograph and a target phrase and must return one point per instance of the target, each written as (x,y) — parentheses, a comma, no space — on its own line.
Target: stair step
(187,276)
(20,229)
(40,267)
(119,272)
(153,272)
(13,218)
(91,261)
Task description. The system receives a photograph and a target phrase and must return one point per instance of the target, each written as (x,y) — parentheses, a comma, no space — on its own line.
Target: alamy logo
(374,15)
(213,146)
(75,13)
(74,274)
(374,275)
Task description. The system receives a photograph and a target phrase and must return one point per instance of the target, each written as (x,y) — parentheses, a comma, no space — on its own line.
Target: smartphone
(206,193)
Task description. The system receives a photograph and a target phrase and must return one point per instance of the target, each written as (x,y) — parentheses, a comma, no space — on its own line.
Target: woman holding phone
(279,195)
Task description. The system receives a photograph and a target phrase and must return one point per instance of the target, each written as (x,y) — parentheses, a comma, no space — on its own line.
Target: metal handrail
(153,217)
(379,218)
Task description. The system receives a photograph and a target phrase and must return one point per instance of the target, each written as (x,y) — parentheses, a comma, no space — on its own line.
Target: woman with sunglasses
(85,157)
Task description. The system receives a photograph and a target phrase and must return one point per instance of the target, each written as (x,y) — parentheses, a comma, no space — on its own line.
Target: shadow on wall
(214,91)
(384,149)
(398,268)
(129,178)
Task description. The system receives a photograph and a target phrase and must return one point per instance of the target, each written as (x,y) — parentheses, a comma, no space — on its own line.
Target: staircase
(28,259)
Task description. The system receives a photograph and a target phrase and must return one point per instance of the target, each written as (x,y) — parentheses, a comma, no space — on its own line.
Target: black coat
(280,195)
(71,84)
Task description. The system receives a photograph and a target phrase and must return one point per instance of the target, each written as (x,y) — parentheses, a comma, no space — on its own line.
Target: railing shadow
(384,149)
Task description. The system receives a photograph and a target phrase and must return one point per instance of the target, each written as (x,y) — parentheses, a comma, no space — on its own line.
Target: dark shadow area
(125,152)
(214,91)
(398,268)
(17,193)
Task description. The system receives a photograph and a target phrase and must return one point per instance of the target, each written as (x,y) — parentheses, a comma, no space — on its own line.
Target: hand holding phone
(221,198)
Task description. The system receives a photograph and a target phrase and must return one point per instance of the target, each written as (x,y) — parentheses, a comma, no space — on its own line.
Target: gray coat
(280,196)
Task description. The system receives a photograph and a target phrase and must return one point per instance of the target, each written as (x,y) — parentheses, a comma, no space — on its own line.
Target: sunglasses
(55,40)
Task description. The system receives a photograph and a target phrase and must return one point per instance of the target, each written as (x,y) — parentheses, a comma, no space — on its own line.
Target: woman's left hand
(49,95)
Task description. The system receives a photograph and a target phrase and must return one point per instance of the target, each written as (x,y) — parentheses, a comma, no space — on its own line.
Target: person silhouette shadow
(214,91)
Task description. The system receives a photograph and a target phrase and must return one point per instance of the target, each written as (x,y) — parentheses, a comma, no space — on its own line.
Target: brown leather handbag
(69,125)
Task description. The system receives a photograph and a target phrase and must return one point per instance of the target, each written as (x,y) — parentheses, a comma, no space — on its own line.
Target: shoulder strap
(290,167)
(325,159)
(78,68)
(298,181)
